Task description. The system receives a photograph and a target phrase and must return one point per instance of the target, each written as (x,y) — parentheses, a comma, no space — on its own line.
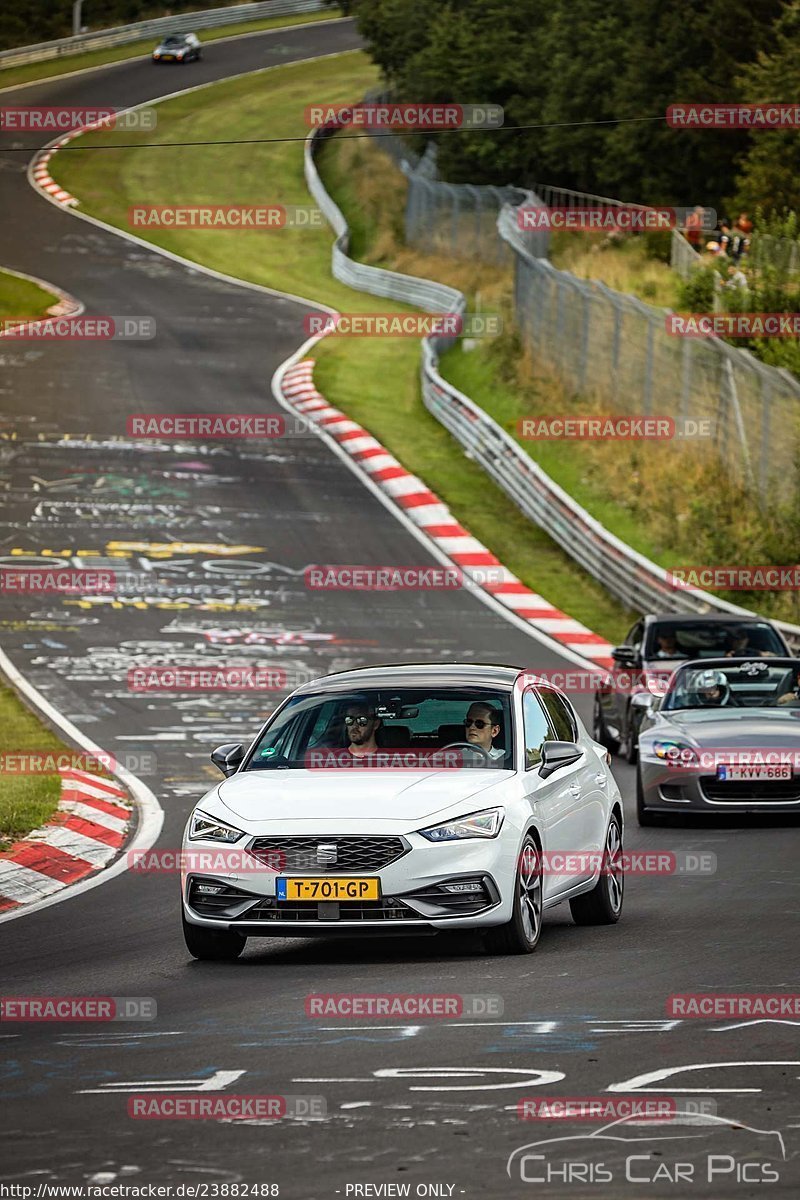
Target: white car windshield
(390,728)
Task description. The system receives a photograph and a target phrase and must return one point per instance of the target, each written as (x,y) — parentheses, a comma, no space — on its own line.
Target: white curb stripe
(21,884)
(87,813)
(548,620)
(70,842)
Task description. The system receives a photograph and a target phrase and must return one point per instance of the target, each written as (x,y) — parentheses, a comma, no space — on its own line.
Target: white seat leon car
(406,800)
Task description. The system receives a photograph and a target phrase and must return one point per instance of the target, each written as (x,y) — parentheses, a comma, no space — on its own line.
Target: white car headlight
(210,830)
(484,824)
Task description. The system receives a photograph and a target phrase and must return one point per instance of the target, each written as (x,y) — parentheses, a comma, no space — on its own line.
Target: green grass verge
(32,72)
(26,801)
(477,374)
(266,104)
(375,380)
(21,298)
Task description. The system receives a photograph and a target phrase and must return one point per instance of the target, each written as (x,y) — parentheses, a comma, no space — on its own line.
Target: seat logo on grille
(326,853)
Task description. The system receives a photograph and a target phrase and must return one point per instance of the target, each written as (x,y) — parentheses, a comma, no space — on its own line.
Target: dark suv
(655,646)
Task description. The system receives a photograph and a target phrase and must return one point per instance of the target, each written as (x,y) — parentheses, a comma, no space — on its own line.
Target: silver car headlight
(210,830)
(484,824)
(677,754)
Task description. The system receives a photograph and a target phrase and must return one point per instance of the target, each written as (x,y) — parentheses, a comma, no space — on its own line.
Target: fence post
(648,368)
(454,193)
(737,416)
(766,400)
(616,345)
(585,328)
(686,377)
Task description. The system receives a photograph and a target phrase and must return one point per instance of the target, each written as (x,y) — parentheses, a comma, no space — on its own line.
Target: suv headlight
(210,830)
(484,824)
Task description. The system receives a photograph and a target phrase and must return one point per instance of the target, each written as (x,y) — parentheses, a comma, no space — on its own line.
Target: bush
(658,244)
(696,294)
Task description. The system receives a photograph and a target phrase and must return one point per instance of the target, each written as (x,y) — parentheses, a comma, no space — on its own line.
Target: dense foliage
(568,64)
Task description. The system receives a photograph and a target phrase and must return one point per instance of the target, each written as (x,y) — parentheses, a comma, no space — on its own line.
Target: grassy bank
(26,801)
(33,72)
(21,298)
(626,264)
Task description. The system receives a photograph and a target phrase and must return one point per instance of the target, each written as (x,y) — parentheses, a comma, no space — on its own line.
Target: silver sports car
(725,737)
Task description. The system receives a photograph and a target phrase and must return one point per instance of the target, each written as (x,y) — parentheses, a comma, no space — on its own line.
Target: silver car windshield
(393,728)
(719,684)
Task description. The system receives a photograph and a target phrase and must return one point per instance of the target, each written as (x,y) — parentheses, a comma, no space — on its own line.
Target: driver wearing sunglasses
(361,725)
(482,725)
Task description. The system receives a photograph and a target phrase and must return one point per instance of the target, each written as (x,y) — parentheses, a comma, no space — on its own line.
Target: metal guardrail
(408,289)
(211,18)
(628,575)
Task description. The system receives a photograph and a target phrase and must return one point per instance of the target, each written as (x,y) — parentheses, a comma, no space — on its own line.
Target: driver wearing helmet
(482,725)
(713,689)
(792,694)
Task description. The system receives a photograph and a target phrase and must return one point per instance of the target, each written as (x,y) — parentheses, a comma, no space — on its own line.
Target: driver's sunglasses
(478,722)
(357,720)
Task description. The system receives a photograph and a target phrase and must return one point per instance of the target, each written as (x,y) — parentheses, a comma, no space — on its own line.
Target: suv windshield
(389,728)
(757,684)
(705,639)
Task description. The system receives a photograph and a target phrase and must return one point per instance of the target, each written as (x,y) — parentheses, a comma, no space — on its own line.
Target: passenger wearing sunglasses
(361,725)
(482,725)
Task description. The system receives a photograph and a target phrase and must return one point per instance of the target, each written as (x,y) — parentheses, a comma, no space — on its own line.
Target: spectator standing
(694,226)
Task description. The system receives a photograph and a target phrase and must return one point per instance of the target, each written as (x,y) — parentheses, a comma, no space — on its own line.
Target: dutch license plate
(344,888)
(758,771)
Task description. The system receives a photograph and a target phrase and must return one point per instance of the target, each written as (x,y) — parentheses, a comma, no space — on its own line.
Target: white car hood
(259,798)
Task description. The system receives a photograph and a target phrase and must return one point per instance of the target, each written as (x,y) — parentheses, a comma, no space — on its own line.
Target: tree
(676,54)
(769,174)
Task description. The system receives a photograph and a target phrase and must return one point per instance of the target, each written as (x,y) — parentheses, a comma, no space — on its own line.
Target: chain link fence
(609,345)
(630,576)
(458,219)
(618,349)
(683,258)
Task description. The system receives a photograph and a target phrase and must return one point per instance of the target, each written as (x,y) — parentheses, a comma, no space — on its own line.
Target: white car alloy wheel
(603,904)
(521,934)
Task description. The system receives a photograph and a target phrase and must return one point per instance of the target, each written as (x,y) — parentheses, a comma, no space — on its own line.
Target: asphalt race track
(432,1105)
